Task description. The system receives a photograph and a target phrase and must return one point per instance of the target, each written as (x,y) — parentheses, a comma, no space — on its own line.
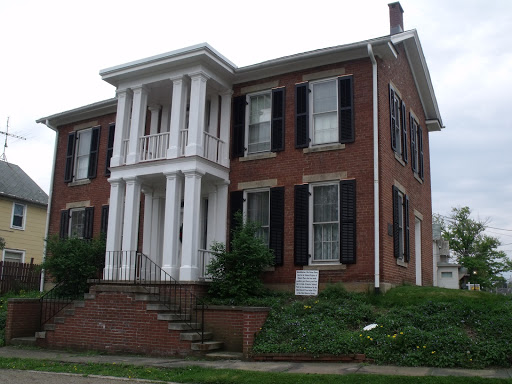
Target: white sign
(306,283)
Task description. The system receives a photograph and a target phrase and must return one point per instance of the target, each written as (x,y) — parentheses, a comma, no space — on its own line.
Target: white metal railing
(153,147)
(205,257)
(183,141)
(213,148)
(124,150)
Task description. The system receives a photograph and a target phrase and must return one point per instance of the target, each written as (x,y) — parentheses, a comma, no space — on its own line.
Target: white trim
(24,218)
(311,84)
(18,251)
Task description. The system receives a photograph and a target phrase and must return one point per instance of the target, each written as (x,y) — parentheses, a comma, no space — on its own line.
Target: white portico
(170,149)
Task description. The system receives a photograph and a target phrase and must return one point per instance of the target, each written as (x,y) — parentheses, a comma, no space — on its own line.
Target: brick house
(328,150)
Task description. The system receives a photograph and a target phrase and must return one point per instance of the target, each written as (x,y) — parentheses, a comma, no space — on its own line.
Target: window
(110,147)
(77,222)
(401,225)
(265,206)
(261,128)
(416,147)
(446,275)
(82,155)
(325,223)
(398,125)
(13,256)
(324,112)
(18,216)
(257,210)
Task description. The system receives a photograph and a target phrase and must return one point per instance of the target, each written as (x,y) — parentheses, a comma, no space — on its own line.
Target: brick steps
(23,341)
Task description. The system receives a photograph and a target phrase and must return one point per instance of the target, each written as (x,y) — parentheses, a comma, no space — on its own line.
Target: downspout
(376,206)
(50,193)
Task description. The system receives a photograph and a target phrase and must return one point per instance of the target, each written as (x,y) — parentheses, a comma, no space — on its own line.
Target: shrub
(72,261)
(236,274)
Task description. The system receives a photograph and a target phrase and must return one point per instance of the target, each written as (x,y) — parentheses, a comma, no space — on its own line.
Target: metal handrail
(55,300)
(132,267)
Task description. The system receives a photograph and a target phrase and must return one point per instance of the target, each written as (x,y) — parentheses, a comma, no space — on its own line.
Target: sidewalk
(289,367)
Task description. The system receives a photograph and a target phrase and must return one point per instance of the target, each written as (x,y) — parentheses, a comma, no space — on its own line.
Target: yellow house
(22,215)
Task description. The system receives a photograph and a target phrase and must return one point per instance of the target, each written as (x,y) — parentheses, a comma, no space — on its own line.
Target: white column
(155,117)
(124,107)
(131,226)
(214,115)
(178,114)
(115,229)
(156,231)
(225,121)
(148,219)
(140,103)
(189,270)
(196,114)
(222,212)
(165,120)
(173,196)
(211,231)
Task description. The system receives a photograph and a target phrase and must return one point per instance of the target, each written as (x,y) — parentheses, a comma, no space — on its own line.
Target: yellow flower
(360,335)
(367,337)
(433,352)
(371,339)
(417,346)
(401,333)
(424,346)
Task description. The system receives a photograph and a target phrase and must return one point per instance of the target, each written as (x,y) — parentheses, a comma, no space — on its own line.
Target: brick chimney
(396,18)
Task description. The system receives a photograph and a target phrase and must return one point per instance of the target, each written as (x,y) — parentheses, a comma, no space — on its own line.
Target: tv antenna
(3,157)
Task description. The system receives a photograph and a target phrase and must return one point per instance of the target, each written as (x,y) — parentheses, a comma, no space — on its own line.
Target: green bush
(236,274)
(72,261)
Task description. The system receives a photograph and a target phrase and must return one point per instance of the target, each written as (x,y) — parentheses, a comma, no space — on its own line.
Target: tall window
(325,222)
(416,147)
(258,138)
(401,225)
(77,223)
(82,154)
(324,114)
(398,124)
(258,211)
(18,216)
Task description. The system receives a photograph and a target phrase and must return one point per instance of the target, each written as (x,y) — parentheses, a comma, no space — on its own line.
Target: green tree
(236,274)
(2,243)
(475,250)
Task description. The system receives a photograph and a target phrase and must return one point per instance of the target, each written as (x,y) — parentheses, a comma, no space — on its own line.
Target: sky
(52,52)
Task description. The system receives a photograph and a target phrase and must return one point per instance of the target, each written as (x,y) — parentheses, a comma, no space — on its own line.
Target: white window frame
(87,155)
(23,219)
(311,231)
(18,251)
(312,112)
(246,203)
(70,224)
(397,104)
(248,120)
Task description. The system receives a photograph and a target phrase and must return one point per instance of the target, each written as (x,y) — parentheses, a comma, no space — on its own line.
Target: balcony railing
(205,257)
(213,148)
(153,147)
(183,141)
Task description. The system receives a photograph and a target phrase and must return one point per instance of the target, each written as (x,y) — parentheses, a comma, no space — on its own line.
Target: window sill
(402,263)
(18,228)
(325,267)
(324,148)
(79,182)
(418,178)
(258,156)
(399,159)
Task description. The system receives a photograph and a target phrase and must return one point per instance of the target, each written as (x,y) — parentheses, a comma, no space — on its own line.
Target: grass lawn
(194,374)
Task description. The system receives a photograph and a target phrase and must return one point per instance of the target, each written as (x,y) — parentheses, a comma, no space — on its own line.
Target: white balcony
(153,147)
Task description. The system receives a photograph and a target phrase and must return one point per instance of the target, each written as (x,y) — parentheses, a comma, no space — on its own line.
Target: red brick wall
(22,318)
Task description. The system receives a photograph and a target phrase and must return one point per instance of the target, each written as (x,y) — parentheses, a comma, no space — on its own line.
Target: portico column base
(173,271)
(188,273)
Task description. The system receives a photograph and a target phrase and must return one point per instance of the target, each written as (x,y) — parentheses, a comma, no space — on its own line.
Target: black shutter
(396,226)
(420,150)
(346,109)
(404,133)
(414,156)
(93,153)
(88,222)
(276,241)
(70,156)
(301,225)
(407,250)
(236,203)
(302,115)
(64,224)
(104,219)
(110,147)
(392,114)
(348,221)
(238,143)
(278,113)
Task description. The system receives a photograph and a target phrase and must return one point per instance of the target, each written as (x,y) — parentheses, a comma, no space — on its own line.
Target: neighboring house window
(325,223)
(18,216)
(77,222)
(401,225)
(82,155)
(258,122)
(266,207)
(398,123)
(11,255)
(324,112)
(416,147)
(446,275)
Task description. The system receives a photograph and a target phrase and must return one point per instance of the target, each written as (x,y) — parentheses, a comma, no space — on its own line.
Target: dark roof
(16,184)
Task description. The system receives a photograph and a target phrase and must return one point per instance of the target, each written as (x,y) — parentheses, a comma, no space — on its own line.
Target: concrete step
(183,326)
(172,317)
(89,296)
(194,336)
(49,327)
(24,341)
(146,297)
(78,304)
(69,311)
(59,320)
(224,355)
(161,307)
(207,346)
(41,335)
